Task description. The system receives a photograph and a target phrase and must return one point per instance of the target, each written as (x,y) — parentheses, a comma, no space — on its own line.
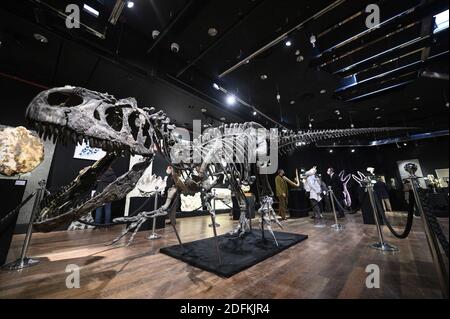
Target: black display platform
(12,194)
(299,204)
(237,254)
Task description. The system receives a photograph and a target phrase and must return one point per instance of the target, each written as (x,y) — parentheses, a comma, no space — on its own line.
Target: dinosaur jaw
(65,135)
(74,195)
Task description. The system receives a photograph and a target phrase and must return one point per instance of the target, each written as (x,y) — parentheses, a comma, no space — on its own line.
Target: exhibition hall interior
(239,149)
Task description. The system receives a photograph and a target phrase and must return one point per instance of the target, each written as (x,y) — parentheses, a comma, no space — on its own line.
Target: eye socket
(64,99)
(114,118)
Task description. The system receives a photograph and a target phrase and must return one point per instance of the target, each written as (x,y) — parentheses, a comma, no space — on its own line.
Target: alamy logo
(73,279)
(373,280)
(374,18)
(73,16)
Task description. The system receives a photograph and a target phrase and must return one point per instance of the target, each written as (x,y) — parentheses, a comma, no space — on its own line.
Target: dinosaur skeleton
(71,114)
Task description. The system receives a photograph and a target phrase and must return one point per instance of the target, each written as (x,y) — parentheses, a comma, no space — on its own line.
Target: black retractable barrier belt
(409,222)
(5,221)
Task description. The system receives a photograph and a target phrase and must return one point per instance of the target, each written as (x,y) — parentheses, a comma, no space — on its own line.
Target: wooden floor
(329,264)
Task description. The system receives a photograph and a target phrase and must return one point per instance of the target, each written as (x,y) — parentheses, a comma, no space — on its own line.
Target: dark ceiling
(369,77)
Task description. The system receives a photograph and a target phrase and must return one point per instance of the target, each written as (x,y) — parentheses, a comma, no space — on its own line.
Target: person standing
(313,186)
(105,179)
(338,190)
(382,192)
(282,189)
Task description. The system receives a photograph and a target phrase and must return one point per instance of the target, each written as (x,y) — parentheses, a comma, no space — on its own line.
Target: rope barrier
(433,222)
(409,222)
(12,214)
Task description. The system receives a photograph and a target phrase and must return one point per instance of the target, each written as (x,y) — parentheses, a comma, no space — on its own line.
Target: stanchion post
(154,235)
(382,245)
(24,261)
(337,225)
(433,244)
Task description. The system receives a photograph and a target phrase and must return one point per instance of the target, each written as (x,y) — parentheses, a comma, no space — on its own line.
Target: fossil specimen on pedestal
(21,151)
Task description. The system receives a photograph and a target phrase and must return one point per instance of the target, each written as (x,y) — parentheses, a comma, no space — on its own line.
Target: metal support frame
(337,226)
(382,245)
(24,261)
(154,235)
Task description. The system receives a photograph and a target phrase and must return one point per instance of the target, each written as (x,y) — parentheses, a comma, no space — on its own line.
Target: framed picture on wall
(85,152)
(405,175)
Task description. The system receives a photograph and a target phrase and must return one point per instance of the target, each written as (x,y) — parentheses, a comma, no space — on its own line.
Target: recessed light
(415,109)
(264,77)
(204,110)
(323,91)
(288,43)
(447,104)
(40,38)
(216,86)
(300,58)
(212,32)
(418,98)
(331,151)
(297,53)
(337,112)
(223,119)
(379,117)
(255,113)
(377,109)
(340,118)
(292,102)
(231,100)
(91,10)
(353,150)
(312,120)
(130,4)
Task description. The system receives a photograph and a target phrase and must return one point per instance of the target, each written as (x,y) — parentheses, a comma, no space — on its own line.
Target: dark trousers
(283,206)
(99,214)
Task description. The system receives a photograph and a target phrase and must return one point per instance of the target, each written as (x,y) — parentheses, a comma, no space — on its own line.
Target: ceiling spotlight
(278,97)
(175,47)
(264,77)
(313,40)
(331,151)
(337,112)
(255,113)
(288,43)
(323,91)
(379,117)
(297,53)
(447,104)
(212,32)
(352,125)
(418,98)
(300,58)
(231,100)
(130,4)
(204,110)
(415,109)
(340,118)
(155,34)
(376,109)
(223,119)
(40,38)
(216,86)
(310,125)
(405,144)
(353,150)
(292,102)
